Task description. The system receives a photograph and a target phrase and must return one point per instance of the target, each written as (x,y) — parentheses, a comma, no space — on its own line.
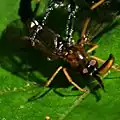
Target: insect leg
(115,67)
(96,4)
(71,81)
(53,4)
(72,9)
(83,33)
(94,46)
(53,76)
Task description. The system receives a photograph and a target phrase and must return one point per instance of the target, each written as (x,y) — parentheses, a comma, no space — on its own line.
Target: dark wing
(46,42)
(103,18)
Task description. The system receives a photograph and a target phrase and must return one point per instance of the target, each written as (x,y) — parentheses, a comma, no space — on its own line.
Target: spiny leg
(32,38)
(71,81)
(53,76)
(115,67)
(53,4)
(83,33)
(72,9)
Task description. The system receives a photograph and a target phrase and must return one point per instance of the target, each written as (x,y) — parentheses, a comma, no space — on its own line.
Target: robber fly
(54,47)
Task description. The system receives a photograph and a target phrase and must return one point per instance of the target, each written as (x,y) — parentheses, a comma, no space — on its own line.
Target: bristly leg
(32,38)
(53,4)
(72,9)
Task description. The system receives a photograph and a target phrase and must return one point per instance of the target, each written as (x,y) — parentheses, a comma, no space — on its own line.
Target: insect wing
(102,18)
(46,45)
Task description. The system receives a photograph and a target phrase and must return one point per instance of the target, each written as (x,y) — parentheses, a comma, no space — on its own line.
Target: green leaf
(23,73)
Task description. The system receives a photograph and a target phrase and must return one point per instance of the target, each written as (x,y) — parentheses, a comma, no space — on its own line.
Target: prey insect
(54,47)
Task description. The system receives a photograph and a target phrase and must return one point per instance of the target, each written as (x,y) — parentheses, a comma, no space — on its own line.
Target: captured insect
(54,47)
